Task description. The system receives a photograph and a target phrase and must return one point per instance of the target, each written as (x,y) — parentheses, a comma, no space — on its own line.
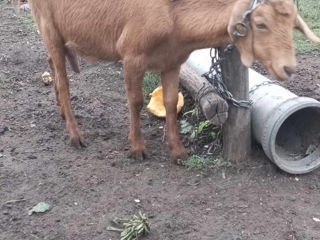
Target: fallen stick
(15,201)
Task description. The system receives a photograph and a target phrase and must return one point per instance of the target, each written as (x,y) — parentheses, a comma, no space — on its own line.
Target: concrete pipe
(287,126)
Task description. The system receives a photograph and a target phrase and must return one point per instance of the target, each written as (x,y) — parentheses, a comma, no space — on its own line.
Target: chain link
(265,83)
(215,77)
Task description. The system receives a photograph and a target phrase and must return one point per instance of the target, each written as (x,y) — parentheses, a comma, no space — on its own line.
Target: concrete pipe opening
(297,141)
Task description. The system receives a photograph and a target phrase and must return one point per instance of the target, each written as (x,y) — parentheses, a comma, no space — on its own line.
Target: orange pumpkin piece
(156,106)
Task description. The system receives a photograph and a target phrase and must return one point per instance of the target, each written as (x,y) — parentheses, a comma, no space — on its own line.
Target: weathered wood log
(237,129)
(214,108)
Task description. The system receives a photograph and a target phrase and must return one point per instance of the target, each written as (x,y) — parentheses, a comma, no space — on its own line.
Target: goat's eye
(261,26)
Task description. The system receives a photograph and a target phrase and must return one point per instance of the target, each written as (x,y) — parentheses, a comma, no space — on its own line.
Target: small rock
(4,130)
(46,78)
(316,219)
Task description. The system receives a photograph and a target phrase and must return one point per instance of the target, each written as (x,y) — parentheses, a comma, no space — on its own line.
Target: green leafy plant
(132,229)
(199,162)
(199,129)
(195,113)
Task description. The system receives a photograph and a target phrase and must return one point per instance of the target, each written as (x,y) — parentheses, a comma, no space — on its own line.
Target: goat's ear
(244,44)
(303,27)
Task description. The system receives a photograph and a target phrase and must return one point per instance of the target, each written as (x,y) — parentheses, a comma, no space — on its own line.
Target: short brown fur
(157,35)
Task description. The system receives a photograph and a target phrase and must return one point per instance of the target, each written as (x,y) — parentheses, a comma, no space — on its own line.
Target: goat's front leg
(134,77)
(170,84)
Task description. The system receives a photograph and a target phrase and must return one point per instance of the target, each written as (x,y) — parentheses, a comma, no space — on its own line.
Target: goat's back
(104,29)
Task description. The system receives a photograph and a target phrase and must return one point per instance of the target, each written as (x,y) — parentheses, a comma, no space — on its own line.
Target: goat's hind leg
(72,57)
(55,84)
(57,60)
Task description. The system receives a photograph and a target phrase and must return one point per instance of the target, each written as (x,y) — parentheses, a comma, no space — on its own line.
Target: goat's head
(269,38)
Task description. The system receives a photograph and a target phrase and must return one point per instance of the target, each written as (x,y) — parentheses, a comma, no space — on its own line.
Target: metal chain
(270,82)
(215,77)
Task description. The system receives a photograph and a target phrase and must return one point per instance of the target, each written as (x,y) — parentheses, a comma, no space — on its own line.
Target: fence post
(237,128)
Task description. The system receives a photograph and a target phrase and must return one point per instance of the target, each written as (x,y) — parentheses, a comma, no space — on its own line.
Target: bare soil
(88,187)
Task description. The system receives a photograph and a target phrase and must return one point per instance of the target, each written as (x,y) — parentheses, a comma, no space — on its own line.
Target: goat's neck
(203,23)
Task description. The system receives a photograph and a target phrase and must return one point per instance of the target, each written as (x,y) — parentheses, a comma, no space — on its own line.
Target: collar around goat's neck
(254,6)
(241,29)
(257,3)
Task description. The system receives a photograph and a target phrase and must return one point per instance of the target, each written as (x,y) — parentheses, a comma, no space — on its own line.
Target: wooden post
(237,129)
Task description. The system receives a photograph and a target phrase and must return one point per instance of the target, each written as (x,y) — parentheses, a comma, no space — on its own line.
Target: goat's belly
(160,61)
(94,53)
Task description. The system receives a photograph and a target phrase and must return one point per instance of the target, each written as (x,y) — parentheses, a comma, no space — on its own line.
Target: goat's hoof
(179,157)
(77,141)
(138,155)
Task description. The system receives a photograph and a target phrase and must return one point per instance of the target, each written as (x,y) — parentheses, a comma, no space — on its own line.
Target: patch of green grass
(30,24)
(198,162)
(27,20)
(5,83)
(150,82)
(310,12)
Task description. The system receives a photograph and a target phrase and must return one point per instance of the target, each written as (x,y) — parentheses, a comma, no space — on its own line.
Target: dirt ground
(88,187)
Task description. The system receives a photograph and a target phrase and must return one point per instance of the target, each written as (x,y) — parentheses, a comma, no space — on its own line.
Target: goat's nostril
(289,70)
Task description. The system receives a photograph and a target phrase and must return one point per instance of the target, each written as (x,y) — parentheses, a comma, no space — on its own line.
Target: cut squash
(156,106)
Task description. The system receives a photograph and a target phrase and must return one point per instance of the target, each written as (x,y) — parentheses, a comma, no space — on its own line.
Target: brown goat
(159,35)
